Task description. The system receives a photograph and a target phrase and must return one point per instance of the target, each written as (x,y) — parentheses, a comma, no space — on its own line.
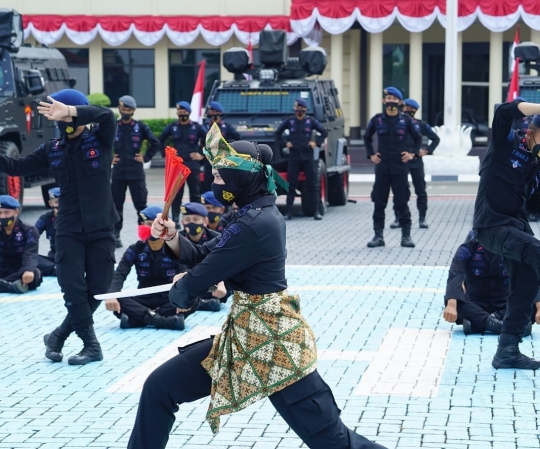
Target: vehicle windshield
(262,100)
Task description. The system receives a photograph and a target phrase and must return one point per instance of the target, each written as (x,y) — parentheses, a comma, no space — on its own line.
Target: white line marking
(133,381)
(409,362)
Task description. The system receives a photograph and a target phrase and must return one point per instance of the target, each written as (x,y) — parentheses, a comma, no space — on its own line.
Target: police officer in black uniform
(153,268)
(416,166)
(188,138)
(18,250)
(395,130)
(81,164)
(477,290)
(45,223)
(509,186)
(215,211)
(215,111)
(301,158)
(128,161)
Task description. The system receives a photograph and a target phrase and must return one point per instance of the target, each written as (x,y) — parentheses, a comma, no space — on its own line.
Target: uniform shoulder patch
(227,234)
(464,253)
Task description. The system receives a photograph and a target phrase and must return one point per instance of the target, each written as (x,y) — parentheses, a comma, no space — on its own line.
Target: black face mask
(392,105)
(193,228)
(215,117)
(226,193)
(127,117)
(66,128)
(411,113)
(5,222)
(183,118)
(300,114)
(213,217)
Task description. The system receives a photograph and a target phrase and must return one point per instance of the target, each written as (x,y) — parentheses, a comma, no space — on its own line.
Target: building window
(77,61)
(129,72)
(396,67)
(475,82)
(183,71)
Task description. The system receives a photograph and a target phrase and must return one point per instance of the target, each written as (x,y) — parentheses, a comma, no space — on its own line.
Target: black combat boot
(317,215)
(288,214)
(468,328)
(423,222)
(509,356)
(395,224)
(406,240)
(493,324)
(209,305)
(55,340)
(175,322)
(378,239)
(91,351)
(13,287)
(129,323)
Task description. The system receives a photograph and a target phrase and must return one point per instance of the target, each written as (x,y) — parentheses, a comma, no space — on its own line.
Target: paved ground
(401,375)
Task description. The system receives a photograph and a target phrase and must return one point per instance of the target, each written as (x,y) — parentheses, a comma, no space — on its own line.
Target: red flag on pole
(513,88)
(198,95)
(176,174)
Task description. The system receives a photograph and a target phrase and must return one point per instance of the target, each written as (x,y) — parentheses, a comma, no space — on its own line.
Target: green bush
(99,99)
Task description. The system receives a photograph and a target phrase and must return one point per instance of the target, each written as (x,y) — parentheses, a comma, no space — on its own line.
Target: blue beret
(150,213)
(54,193)
(536,120)
(411,103)
(128,101)
(184,105)
(194,209)
(209,198)
(71,97)
(216,106)
(301,102)
(393,91)
(8,202)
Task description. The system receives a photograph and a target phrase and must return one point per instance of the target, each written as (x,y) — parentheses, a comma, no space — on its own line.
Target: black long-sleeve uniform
(45,223)
(395,134)
(84,224)
(508,182)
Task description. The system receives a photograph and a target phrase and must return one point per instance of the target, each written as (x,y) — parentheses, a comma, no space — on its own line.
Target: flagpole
(451,116)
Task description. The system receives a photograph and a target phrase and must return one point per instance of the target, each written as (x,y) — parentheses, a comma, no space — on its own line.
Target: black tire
(307,204)
(45,193)
(338,187)
(11,185)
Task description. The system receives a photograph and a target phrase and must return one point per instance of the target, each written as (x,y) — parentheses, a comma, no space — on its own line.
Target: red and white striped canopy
(336,17)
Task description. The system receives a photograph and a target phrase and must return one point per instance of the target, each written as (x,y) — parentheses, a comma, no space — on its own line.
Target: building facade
(152,50)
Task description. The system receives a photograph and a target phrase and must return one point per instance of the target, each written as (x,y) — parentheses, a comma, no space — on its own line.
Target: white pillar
(336,61)
(354,79)
(95,63)
(452,115)
(495,71)
(415,67)
(375,73)
(161,52)
(535,36)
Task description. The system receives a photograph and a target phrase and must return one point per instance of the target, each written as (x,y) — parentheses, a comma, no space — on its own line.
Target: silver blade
(135,292)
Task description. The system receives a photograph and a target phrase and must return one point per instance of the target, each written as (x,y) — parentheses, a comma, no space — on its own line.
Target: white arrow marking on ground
(409,362)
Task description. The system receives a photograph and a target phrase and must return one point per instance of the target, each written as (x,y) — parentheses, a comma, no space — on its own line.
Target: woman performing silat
(266,348)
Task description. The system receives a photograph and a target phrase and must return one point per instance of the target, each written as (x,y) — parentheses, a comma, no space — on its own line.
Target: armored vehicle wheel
(307,204)
(338,188)
(11,185)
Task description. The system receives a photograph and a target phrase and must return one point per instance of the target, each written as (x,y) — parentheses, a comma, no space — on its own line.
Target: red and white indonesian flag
(513,88)
(198,95)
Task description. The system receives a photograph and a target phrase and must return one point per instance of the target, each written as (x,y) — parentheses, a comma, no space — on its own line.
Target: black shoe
(406,240)
(509,356)
(209,305)
(378,239)
(493,324)
(175,322)
(528,330)
(13,287)
(127,323)
(118,242)
(91,351)
(317,216)
(423,223)
(288,216)
(468,328)
(395,224)
(56,339)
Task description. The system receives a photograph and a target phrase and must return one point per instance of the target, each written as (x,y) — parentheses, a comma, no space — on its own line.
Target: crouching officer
(153,268)
(229,133)
(301,147)
(45,223)
(477,290)
(128,170)
(18,250)
(416,165)
(394,130)
(215,211)
(188,139)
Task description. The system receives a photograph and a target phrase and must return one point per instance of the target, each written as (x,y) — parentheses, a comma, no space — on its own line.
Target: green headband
(221,155)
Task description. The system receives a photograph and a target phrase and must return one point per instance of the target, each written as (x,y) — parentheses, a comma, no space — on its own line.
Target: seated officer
(153,268)
(215,211)
(45,223)
(18,250)
(194,223)
(477,290)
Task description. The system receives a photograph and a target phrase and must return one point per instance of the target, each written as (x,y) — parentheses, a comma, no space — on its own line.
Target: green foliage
(156,125)
(97,99)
